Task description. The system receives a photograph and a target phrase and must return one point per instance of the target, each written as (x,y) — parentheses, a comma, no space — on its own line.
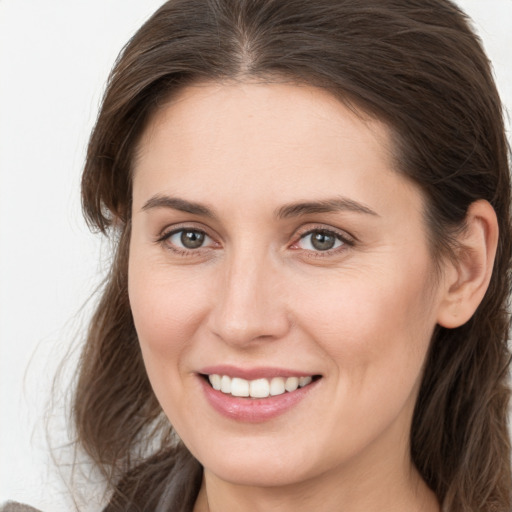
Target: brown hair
(416,65)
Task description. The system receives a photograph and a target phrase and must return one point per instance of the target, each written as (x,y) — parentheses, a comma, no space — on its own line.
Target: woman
(311,202)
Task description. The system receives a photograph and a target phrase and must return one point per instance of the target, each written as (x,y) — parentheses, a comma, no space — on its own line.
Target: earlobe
(467,278)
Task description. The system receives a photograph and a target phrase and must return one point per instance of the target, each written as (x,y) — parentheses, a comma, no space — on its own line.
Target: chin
(258,462)
(272,473)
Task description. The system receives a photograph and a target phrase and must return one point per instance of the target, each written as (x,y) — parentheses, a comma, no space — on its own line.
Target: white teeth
(225,384)
(215,381)
(259,388)
(291,384)
(277,386)
(239,387)
(304,381)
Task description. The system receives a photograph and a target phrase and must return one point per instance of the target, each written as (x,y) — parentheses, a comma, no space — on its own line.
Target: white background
(55,56)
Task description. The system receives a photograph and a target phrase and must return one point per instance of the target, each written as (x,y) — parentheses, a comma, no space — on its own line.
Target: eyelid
(170,229)
(348,240)
(166,233)
(345,237)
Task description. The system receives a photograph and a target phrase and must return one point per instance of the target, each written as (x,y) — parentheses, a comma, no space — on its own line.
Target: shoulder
(11,506)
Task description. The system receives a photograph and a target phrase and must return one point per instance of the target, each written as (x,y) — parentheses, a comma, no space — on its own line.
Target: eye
(320,240)
(188,239)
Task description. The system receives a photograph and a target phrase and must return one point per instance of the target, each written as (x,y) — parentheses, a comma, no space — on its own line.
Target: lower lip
(254,410)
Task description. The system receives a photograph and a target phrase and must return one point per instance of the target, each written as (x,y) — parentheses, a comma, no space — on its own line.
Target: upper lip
(254,373)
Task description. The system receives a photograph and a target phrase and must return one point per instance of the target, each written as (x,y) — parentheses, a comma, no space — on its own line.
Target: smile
(258,388)
(255,395)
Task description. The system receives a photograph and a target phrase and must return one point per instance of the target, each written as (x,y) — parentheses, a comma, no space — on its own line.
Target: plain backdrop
(55,56)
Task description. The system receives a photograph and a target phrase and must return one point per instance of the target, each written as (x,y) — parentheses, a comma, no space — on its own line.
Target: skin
(258,294)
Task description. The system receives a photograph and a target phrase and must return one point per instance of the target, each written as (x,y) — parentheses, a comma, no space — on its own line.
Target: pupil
(323,241)
(192,239)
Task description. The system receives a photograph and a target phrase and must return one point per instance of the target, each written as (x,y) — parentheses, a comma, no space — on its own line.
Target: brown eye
(188,239)
(320,241)
(192,239)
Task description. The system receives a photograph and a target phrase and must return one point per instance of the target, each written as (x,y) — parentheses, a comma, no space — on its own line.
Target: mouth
(257,394)
(258,388)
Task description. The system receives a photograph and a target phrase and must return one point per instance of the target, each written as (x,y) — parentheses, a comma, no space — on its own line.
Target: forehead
(276,142)
(268,116)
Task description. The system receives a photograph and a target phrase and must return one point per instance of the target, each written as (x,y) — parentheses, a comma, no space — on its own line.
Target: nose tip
(250,306)
(241,331)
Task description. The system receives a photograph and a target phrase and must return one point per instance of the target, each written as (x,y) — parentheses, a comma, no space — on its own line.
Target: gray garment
(11,506)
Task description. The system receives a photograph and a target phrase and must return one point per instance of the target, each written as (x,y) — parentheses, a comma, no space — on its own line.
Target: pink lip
(254,410)
(252,373)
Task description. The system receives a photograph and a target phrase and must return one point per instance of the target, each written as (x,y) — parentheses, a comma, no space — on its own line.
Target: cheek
(167,311)
(166,307)
(374,333)
(378,321)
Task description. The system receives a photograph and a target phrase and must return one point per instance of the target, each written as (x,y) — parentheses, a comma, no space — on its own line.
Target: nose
(251,302)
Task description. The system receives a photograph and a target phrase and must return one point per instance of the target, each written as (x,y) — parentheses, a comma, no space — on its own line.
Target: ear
(467,277)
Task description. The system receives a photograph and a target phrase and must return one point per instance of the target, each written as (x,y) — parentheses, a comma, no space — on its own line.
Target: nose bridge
(250,305)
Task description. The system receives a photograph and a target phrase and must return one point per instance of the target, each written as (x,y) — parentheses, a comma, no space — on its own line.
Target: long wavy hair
(415,65)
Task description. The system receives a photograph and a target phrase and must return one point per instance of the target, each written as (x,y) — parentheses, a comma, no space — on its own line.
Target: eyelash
(166,236)
(345,240)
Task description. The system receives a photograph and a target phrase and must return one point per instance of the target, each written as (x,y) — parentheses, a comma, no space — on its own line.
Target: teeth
(304,381)
(216,382)
(259,388)
(225,384)
(291,384)
(239,387)
(277,386)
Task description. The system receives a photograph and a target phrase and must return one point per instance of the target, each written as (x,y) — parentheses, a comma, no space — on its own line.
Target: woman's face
(273,245)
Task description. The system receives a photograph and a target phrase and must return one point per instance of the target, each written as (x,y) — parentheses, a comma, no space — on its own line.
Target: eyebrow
(162,201)
(335,204)
(297,209)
